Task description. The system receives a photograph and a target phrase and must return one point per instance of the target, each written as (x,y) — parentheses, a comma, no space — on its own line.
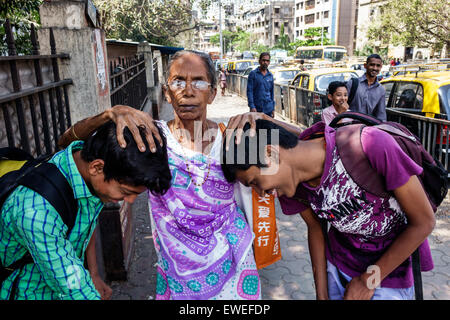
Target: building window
(318,15)
(297,33)
(277,10)
(309,18)
(310,4)
(277,25)
(297,21)
(325,14)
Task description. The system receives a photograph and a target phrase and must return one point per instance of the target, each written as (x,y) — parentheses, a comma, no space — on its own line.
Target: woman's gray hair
(211,72)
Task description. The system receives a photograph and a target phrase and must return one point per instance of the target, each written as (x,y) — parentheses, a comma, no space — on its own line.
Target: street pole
(220,33)
(321,22)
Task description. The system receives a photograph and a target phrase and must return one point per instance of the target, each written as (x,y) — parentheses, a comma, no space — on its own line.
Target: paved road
(291,277)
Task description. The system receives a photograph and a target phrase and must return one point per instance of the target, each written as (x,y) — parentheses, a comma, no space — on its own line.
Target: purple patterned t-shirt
(363,225)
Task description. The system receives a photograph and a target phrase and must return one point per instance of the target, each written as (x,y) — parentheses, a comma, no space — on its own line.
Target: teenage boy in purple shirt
(371,239)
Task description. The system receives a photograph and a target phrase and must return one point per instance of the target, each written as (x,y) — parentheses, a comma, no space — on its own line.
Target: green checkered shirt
(29,222)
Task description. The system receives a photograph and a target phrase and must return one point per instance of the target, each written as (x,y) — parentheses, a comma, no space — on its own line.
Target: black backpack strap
(358,117)
(49,182)
(418,289)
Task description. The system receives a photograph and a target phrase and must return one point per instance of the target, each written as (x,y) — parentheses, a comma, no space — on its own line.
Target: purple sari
(202,238)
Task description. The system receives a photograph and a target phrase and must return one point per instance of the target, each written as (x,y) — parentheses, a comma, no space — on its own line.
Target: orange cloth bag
(266,245)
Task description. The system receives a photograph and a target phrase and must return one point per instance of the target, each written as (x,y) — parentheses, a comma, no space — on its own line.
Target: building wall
(264,22)
(348,20)
(314,13)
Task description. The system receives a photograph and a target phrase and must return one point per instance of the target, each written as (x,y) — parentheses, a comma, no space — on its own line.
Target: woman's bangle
(74,134)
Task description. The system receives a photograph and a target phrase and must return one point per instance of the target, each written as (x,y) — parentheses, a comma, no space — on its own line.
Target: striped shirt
(29,222)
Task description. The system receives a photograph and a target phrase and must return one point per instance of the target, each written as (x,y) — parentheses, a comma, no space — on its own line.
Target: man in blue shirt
(370,94)
(260,87)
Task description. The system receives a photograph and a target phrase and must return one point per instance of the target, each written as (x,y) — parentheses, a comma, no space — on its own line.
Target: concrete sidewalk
(291,277)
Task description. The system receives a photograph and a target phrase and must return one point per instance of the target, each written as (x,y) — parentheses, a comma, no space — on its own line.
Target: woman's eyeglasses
(177,84)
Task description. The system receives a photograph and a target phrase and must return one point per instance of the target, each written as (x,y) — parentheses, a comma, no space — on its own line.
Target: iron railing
(296,104)
(34,103)
(433,133)
(128,81)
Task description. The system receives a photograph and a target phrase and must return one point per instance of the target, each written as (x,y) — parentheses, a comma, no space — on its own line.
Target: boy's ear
(96,167)
(272,159)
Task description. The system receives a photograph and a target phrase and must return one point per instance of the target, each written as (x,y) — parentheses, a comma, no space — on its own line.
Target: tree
(283,40)
(159,21)
(21,14)
(413,23)
(313,38)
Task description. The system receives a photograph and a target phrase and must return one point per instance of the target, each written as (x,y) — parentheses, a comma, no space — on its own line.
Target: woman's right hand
(237,124)
(125,116)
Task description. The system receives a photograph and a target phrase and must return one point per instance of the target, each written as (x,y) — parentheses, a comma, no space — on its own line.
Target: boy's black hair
(129,165)
(250,151)
(374,56)
(332,87)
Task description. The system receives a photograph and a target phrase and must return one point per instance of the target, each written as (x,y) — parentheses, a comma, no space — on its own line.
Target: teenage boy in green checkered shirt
(98,171)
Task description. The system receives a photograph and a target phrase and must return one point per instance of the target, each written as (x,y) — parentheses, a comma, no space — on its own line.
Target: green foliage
(313,38)
(367,50)
(283,40)
(159,21)
(21,14)
(412,23)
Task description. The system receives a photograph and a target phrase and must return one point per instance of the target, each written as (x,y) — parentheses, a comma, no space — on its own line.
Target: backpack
(433,178)
(19,168)
(348,143)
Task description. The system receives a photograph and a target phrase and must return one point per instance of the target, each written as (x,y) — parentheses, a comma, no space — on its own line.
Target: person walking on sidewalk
(201,235)
(98,171)
(260,87)
(223,79)
(371,237)
(369,97)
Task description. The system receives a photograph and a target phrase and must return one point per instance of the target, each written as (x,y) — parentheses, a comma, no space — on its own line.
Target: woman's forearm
(83,128)
(289,127)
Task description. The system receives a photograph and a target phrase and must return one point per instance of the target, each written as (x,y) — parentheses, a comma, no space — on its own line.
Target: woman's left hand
(237,124)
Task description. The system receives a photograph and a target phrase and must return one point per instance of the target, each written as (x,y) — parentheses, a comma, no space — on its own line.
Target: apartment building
(338,18)
(264,22)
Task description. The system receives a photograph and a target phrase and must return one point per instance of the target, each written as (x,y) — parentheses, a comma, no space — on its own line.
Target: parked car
(239,66)
(319,79)
(312,100)
(284,75)
(248,70)
(426,94)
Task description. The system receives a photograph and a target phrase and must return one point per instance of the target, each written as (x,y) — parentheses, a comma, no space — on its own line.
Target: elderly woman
(202,238)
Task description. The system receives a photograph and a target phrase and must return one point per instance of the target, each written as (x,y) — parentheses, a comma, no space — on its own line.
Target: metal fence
(305,107)
(433,133)
(296,104)
(128,81)
(34,103)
